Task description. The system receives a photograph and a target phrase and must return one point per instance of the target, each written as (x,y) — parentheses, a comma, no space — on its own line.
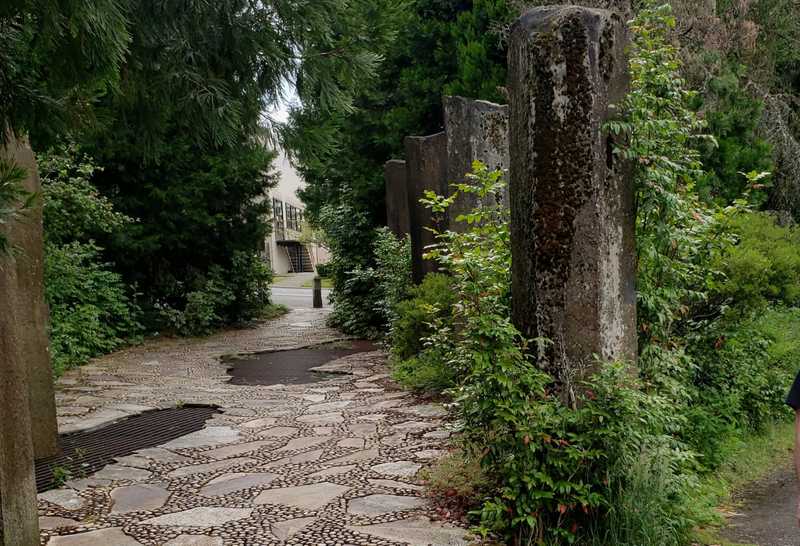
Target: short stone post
(317,292)
(23,345)
(476,130)
(572,207)
(397,215)
(426,169)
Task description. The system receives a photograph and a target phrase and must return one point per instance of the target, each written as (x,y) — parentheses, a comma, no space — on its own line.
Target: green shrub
(324,270)
(431,300)
(90,311)
(763,267)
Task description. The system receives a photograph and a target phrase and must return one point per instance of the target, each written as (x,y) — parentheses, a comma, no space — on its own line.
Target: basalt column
(426,169)
(572,213)
(397,216)
(476,130)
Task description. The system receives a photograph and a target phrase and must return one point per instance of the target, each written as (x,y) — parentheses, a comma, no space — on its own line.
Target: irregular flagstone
(132,408)
(335,471)
(310,497)
(328,406)
(307,457)
(323,431)
(383,504)
(415,532)
(105,537)
(385,404)
(136,461)
(284,530)
(279,432)
(426,410)
(263,422)
(240,412)
(236,449)
(405,469)
(304,442)
(209,436)
(414,426)
(65,498)
(204,516)
(72,410)
(357,457)
(82,484)
(392,484)
(362,429)
(373,417)
(322,419)
(116,472)
(394,439)
(162,455)
(195,540)
(437,435)
(208,467)
(314,397)
(351,442)
(228,483)
(53,522)
(95,420)
(430,454)
(136,498)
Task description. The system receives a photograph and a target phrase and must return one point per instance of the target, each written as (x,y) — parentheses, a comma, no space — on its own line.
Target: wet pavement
(334,462)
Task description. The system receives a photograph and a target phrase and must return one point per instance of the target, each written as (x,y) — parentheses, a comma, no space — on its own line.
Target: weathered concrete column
(476,130)
(23,350)
(426,169)
(397,215)
(572,209)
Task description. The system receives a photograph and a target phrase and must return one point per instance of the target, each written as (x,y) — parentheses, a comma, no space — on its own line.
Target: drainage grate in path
(293,366)
(83,453)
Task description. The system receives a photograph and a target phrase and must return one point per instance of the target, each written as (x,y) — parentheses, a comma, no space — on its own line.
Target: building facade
(284,248)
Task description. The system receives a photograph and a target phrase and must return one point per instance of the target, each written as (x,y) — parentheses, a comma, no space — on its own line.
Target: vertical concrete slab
(397,215)
(426,169)
(476,130)
(23,349)
(572,207)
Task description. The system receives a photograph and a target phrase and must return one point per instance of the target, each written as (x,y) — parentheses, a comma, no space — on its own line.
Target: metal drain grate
(83,453)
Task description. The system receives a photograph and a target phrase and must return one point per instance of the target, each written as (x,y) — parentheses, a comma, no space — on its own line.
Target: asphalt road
(297,298)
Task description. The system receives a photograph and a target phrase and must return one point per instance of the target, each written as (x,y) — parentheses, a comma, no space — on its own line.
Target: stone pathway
(329,463)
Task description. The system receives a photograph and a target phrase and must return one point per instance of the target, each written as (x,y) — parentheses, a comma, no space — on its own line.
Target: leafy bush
(323,270)
(430,301)
(366,286)
(763,267)
(223,296)
(91,312)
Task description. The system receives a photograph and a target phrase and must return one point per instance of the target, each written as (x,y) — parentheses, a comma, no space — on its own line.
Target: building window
(277,214)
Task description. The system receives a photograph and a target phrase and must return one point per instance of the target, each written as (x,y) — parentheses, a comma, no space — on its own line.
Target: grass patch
(456,483)
(751,458)
(273,310)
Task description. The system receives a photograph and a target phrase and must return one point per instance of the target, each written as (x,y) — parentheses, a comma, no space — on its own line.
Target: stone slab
(116,472)
(65,498)
(335,471)
(105,537)
(236,481)
(208,467)
(310,497)
(373,505)
(136,498)
(403,469)
(209,436)
(194,540)
(203,516)
(236,449)
(415,532)
(304,442)
(284,530)
(49,523)
(322,419)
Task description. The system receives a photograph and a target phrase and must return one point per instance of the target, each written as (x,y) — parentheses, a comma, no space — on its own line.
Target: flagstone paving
(334,463)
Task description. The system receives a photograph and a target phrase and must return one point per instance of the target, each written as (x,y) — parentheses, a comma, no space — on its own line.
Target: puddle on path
(291,367)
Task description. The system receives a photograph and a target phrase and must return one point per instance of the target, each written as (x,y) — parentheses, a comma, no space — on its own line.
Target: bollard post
(317,292)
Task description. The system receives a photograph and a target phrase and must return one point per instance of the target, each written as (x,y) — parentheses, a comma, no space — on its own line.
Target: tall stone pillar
(23,355)
(426,169)
(397,215)
(572,207)
(476,130)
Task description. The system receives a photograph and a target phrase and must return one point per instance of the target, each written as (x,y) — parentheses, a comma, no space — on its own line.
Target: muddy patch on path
(290,367)
(766,516)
